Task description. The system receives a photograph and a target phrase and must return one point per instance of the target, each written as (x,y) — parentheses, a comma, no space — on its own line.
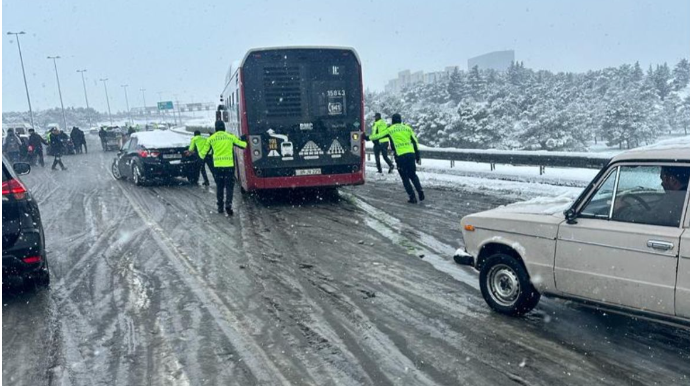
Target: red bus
(301,110)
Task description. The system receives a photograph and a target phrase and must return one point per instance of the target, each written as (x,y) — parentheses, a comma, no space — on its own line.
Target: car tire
(506,286)
(115,171)
(137,175)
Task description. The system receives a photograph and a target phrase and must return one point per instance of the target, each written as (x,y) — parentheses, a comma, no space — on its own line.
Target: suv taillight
(14,188)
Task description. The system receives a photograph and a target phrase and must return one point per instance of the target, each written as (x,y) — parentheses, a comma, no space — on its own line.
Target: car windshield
(320,192)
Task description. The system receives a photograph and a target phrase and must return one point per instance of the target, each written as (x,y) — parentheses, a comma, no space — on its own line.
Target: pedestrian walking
(198,143)
(381,145)
(36,143)
(223,144)
(78,140)
(12,146)
(102,134)
(406,149)
(58,146)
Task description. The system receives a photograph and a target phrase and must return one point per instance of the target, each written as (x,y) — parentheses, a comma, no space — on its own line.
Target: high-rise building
(497,60)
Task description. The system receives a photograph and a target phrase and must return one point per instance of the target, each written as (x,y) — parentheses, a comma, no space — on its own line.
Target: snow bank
(159,139)
(545,153)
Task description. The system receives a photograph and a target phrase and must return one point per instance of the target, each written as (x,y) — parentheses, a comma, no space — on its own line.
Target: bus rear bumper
(306,181)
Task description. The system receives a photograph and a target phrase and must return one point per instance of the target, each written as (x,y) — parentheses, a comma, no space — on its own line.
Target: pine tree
(681,75)
(476,84)
(662,78)
(637,73)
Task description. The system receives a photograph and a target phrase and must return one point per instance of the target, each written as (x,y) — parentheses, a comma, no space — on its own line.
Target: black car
(23,242)
(155,155)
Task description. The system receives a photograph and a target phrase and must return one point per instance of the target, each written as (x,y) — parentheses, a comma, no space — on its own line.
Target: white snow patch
(159,139)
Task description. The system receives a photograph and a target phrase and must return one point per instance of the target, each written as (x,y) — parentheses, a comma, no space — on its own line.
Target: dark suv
(23,244)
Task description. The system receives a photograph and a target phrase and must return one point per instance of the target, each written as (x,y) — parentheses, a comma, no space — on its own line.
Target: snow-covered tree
(681,75)
(662,80)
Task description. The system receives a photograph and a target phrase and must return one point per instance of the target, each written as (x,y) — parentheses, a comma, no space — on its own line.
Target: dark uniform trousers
(381,149)
(408,172)
(225,184)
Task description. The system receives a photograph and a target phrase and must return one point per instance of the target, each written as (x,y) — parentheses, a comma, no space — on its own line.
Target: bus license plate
(307,172)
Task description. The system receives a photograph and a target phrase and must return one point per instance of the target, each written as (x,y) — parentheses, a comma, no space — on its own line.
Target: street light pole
(131,122)
(21,59)
(64,118)
(105,86)
(160,99)
(177,107)
(86,97)
(143,96)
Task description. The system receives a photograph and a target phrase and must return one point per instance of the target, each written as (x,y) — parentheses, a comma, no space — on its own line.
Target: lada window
(600,204)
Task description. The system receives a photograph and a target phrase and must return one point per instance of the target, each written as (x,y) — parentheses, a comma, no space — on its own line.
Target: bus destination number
(335,108)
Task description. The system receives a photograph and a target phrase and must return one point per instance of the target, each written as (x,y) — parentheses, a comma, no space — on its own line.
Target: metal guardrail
(541,159)
(521,158)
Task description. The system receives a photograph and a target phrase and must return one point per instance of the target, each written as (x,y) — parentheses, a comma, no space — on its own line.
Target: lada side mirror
(570,216)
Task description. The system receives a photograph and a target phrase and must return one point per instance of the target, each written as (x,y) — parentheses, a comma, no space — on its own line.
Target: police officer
(222,144)
(381,145)
(198,143)
(406,148)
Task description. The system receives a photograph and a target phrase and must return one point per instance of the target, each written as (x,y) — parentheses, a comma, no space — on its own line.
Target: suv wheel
(506,286)
(137,175)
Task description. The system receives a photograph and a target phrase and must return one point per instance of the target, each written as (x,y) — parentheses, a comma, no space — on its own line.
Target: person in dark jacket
(36,143)
(58,145)
(12,146)
(78,140)
(102,134)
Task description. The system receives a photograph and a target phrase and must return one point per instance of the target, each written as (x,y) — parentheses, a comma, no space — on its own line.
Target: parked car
(623,244)
(23,242)
(155,155)
(114,138)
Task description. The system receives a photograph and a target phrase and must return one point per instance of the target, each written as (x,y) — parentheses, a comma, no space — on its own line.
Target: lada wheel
(506,286)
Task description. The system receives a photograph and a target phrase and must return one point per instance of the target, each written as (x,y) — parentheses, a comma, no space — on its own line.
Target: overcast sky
(183,48)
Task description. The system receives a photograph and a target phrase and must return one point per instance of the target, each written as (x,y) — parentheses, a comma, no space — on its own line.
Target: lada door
(683,281)
(623,248)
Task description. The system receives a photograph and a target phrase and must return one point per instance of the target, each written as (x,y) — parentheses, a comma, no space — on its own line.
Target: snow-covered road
(150,286)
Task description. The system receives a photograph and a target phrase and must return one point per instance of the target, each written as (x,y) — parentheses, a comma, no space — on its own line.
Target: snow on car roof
(671,149)
(159,139)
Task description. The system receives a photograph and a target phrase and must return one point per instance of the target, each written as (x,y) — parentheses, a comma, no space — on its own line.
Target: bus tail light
(255,146)
(356,143)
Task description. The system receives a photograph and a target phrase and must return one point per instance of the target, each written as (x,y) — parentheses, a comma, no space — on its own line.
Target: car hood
(539,225)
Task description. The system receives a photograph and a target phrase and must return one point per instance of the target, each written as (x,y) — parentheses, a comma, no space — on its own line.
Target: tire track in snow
(254,356)
(420,243)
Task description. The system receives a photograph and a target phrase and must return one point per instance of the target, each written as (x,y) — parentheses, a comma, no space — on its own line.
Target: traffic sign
(168,105)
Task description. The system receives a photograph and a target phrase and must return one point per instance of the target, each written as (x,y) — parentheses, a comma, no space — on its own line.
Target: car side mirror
(22,168)
(570,216)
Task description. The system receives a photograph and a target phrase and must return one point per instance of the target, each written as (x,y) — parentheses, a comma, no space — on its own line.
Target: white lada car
(624,243)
